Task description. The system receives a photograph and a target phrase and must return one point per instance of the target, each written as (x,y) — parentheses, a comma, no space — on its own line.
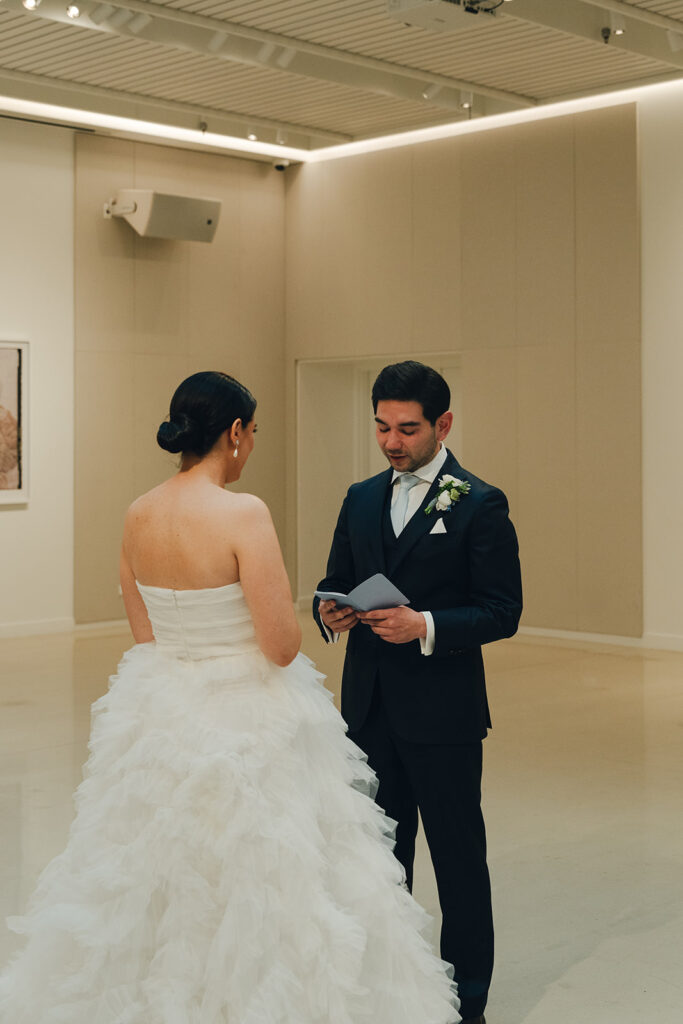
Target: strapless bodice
(196,624)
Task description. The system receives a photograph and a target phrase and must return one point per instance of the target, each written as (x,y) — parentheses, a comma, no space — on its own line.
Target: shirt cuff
(427,642)
(332,637)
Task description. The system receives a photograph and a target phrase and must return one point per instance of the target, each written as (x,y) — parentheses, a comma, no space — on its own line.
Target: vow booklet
(375,592)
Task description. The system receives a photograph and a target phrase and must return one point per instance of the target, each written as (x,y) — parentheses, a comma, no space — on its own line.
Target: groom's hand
(396,625)
(339,620)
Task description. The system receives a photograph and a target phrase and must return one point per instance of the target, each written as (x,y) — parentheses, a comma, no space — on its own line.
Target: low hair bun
(179,434)
(203,407)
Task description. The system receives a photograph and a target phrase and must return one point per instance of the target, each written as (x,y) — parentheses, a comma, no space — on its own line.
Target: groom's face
(406,438)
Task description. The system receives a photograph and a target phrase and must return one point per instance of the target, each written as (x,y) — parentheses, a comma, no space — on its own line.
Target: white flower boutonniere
(450,490)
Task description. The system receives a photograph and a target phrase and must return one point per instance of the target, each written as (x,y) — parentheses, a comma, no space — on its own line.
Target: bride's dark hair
(203,406)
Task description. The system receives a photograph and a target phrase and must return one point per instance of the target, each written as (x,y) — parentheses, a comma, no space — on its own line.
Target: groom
(413,691)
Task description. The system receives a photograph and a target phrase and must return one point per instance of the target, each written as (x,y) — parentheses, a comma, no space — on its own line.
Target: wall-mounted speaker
(160,215)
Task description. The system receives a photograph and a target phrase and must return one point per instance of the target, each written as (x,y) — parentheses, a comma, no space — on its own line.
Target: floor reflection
(583,797)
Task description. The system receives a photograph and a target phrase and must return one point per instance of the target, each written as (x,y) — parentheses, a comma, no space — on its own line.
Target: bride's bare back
(189,533)
(184,535)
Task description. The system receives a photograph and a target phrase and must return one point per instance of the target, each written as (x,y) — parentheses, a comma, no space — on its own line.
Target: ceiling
(314,73)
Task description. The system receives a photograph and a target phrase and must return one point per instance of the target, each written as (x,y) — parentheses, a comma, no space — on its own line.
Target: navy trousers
(443,782)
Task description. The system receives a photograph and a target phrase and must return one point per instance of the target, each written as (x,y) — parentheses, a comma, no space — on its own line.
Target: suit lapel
(420,523)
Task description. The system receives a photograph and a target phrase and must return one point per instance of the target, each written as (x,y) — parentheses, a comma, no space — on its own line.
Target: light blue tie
(399,508)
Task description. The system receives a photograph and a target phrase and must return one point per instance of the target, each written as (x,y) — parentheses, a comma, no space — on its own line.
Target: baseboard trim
(649,641)
(107,627)
(36,627)
(44,627)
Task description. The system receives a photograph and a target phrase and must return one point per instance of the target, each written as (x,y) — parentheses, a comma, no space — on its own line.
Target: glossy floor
(583,799)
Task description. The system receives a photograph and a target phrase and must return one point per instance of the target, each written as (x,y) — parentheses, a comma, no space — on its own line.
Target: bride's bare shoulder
(247,505)
(145,503)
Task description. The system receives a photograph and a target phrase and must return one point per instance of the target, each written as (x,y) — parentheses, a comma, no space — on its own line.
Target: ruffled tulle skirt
(226,865)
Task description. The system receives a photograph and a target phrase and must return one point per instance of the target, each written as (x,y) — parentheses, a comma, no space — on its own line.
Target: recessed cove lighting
(73,11)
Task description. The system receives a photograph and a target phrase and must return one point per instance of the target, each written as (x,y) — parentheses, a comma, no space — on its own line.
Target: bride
(227,864)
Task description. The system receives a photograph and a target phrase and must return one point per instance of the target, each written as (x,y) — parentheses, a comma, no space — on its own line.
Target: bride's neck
(211,468)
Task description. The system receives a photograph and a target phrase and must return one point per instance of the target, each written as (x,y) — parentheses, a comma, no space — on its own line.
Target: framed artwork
(13,422)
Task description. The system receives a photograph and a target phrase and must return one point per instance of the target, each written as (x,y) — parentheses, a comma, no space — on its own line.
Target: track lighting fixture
(430,91)
(617,24)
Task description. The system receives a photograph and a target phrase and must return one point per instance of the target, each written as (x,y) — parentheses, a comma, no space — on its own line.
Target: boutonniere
(450,490)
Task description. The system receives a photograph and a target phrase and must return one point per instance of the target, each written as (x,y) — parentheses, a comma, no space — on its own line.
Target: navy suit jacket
(467,577)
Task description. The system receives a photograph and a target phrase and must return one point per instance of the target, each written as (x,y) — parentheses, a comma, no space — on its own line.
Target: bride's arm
(265,583)
(140,625)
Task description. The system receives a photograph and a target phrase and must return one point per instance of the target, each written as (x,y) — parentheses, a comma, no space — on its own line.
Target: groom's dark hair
(411,381)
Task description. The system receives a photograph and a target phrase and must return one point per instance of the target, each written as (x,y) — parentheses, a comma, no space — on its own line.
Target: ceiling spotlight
(466,100)
(430,91)
(617,24)
(675,40)
(101,13)
(265,53)
(73,11)
(120,17)
(31,5)
(139,22)
(217,42)
(286,57)
(252,136)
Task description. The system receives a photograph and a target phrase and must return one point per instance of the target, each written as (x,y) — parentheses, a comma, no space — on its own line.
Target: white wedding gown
(225,865)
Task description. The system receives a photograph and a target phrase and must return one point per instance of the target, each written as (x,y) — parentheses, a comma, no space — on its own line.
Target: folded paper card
(375,592)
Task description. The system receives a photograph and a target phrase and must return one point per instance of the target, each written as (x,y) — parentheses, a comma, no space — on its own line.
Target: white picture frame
(14,399)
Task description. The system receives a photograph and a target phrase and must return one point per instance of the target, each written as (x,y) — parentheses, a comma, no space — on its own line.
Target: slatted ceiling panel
(511,55)
(138,68)
(543,64)
(669,8)
(507,54)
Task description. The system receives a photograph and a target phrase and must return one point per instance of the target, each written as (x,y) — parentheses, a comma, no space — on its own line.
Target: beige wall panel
(488,239)
(489,417)
(214,269)
(165,169)
(190,306)
(547,496)
(367,255)
(161,297)
(306,234)
(607,227)
(326,439)
(106,453)
(261,328)
(261,262)
(545,286)
(104,282)
(545,219)
(436,284)
(155,378)
(609,483)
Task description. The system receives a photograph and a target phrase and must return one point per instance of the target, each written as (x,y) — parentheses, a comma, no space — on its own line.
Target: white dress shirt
(416,496)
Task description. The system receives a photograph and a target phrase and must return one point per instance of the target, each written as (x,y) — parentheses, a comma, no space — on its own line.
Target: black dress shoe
(481,1019)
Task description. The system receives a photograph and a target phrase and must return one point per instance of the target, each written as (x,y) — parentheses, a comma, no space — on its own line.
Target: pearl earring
(235,453)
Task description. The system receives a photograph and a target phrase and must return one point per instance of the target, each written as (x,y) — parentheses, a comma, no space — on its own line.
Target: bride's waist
(199,652)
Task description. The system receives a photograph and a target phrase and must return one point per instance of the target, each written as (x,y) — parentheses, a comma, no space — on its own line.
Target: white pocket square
(438,527)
